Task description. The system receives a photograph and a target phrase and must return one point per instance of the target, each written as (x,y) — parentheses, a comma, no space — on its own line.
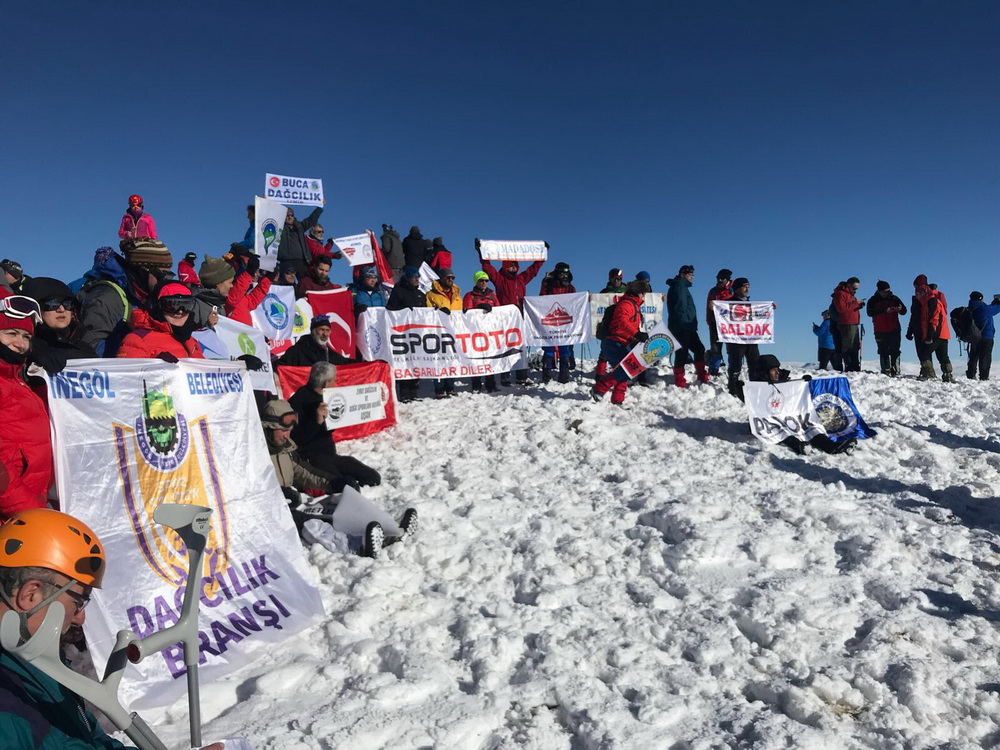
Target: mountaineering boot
(571,359)
(601,387)
(679,380)
(374,540)
(886,364)
(946,373)
(736,386)
(894,366)
(602,369)
(699,368)
(564,368)
(618,393)
(715,364)
(408,523)
(548,365)
(927,370)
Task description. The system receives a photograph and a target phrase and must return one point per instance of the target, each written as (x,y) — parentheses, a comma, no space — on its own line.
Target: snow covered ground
(588,576)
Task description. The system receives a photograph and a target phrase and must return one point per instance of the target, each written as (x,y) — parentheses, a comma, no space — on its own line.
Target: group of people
(839,334)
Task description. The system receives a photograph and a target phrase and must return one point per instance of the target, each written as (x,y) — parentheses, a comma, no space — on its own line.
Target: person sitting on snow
(47,556)
(767,369)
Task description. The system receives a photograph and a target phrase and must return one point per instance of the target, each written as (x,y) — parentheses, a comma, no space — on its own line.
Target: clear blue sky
(797,143)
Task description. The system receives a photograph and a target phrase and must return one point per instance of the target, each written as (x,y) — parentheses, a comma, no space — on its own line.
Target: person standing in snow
(848,322)
(560,281)
(315,347)
(736,353)
(981,352)
(682,320)
(928,328)
(317,248)
(135,222)
(57,336)
(511,284)
(825,344)
(884,308)
(615,285)
(366,291)
(721,291)
(624,331)
(185,269)
(481,297)
(445,297)
(407,295)
(318,278)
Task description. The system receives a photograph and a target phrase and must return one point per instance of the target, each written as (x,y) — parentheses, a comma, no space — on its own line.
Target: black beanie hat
(740,282)
(724,273)
(882,286)
(976,295)
(41,288)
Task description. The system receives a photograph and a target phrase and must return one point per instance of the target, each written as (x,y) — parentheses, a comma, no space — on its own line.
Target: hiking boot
(505,380)
(927,371)
(679,379)
(374,540)
(699,368)
(595,395)
(408,523)
(947,375)
(846,446)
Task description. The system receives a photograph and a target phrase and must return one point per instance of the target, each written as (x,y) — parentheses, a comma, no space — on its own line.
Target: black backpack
(964,326)
(602,327)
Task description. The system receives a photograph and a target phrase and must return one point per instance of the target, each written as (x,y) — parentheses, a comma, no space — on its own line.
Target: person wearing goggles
(136,222)
(164,329)
(25,445)
(59,336)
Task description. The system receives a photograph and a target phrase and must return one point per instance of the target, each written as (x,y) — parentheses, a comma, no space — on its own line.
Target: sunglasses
(177,305)
(19,306)
(449,278)
(51,305)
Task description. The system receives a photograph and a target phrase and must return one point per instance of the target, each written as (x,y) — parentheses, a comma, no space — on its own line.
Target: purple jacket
(145,227)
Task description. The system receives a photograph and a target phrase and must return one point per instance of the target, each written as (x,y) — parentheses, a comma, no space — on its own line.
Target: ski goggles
(51,305)
(284,421)
(177,305)
(19,306)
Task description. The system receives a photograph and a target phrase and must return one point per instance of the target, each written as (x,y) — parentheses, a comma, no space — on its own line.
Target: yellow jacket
(438,297)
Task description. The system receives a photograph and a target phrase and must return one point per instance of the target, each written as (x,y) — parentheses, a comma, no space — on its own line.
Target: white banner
(660,345)
(349,405)
(357,249)
(269,222)
(293,191)
(239,339)
(132,433)
(781,410)
(425,343)
(507,250)
(744,322)
(652,309)
(275,315)
(557,319)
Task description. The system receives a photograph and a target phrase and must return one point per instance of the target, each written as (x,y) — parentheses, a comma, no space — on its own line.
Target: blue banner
(840,417)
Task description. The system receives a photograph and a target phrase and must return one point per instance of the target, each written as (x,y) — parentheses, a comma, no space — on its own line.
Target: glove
(477,244)
(336,255)
(445,310)
(252,362)
(909,336)
(641,337)
(167,357)
(546,245)
(807,378)
(50,360)
(359,308)
(486,307)
(253,264)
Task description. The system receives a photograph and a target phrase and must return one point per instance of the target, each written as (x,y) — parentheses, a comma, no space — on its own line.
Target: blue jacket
(37,713)
(682,315)
(823,332)
(367,297)
(983,314)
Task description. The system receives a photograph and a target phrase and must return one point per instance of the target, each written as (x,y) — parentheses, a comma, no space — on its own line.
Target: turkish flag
(338,306)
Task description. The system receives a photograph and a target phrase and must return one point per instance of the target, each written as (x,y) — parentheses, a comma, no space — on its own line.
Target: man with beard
(318,278)
(313,348)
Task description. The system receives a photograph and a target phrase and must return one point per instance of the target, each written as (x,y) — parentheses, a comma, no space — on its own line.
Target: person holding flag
(624,331)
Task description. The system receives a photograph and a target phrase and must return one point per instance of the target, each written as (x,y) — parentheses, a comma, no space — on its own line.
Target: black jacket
(404,296)
(413,249)
(392,248)
(312,438)
(306,352)
(293,245)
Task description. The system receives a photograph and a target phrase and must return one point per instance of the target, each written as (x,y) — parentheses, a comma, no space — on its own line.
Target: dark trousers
(838,358)
(937,348)
(825,357)
(690,348)
(888,343)
(850,346)
(736,353)
(980,358)
(344,468)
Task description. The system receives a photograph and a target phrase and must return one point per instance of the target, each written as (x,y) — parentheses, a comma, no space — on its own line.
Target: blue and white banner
(529,251)
(837,411)
(238,339)
(739,322)
(275,315)
(294,191)
(133,433)
(652,309)
(268,222)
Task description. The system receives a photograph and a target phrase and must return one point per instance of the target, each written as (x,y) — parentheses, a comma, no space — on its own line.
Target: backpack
(964,326)
(602,327)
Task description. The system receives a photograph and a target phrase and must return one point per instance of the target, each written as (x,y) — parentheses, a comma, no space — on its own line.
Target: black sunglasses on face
(51,305)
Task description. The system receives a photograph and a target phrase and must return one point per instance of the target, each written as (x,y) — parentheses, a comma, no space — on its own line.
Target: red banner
(338,306)
(293,378)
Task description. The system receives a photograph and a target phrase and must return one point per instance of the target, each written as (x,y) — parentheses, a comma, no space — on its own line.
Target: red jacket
(317,248)
(441,259)
(241,299)
(149,337)
(626,320)
(551,289)
(25,444)
(885,312)
(510,291)
(474,298)
(934,316)
(187,273)
(308,284)
(846,305)
(715,293)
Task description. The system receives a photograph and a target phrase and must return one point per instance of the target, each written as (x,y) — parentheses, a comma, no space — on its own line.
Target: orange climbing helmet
(43,538)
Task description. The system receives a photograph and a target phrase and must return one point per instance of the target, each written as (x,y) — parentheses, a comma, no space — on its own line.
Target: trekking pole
(42,649)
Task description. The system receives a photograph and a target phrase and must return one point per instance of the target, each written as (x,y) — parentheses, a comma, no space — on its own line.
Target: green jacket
(37,713)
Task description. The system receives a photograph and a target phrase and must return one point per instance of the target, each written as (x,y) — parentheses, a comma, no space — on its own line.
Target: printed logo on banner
(374,340)
(657,347)
(336,406)
(275,311)
(774,402)
(163,465)
(556,317)
(246,344)
(835,414)
(741,312)
(269,231)
(275,182)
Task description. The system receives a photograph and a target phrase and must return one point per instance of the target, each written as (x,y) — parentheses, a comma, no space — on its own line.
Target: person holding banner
(164,330)
(560,281)
(405,296)
(315,439)
(736,353)
(58,337)
(721,291)
(293,245)
(48,556)
(682,320)
(511,284)
(444,296)
(314,239)
(25,443)
(624,331)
